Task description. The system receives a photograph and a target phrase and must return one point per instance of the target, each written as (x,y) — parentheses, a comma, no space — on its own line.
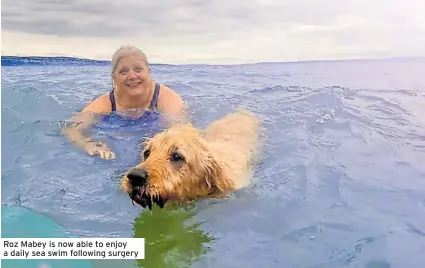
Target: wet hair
(127,51)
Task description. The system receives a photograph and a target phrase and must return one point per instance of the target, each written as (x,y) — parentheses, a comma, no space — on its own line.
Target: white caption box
(72,248)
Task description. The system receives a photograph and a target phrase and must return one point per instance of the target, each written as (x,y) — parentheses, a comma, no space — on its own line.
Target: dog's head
(177,165)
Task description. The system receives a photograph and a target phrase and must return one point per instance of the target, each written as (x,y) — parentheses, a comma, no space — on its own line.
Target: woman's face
(132,74)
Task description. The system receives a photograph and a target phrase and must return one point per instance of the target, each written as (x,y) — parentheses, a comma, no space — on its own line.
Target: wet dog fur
(184,163)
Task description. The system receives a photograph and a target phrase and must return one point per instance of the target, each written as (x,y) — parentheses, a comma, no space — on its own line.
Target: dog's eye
(175,157)
(146,154)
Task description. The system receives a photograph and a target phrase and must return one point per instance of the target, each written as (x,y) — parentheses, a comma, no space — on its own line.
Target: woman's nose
(131,74)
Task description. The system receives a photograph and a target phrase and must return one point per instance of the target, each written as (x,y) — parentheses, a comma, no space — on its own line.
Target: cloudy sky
(216,31)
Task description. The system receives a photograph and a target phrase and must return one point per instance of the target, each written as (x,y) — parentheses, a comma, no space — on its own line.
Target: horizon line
(230,64)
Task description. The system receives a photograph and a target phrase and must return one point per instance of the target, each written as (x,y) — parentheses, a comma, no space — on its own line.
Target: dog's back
(235,139)
(240,127)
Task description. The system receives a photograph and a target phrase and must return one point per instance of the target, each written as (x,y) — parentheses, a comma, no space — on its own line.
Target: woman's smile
(133,84)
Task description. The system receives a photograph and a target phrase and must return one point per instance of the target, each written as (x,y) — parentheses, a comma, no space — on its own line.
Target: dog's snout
(138,177)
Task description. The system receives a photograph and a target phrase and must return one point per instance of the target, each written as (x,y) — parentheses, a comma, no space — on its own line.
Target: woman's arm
(74,130)
(75,127)
(172,106)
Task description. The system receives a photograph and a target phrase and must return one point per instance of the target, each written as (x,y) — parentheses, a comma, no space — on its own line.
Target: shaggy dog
(184,163)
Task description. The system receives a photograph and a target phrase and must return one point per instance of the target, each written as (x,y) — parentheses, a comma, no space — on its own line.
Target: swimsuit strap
(154,101)
(153,104)
(112,99)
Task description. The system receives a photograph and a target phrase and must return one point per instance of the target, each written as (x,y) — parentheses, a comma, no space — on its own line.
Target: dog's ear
(215,176)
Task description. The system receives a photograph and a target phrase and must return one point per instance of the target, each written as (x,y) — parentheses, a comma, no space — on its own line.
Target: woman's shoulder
(169,100)
(101,104)
(168,93)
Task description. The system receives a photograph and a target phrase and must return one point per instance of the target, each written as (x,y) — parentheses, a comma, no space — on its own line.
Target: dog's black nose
(138,177)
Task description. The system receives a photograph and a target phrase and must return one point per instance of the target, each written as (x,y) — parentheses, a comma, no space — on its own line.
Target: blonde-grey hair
(127,51)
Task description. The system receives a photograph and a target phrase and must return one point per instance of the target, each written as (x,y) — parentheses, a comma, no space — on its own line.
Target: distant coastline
(66,60)
(55,60)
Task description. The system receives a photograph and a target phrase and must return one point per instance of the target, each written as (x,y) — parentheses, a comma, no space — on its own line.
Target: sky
(215,32)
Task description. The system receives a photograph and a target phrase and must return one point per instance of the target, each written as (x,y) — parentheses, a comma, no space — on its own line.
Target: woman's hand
(99,148)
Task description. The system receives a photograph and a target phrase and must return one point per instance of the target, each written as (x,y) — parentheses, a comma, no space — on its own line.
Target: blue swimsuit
(123,133)
(151,115)
(148,123)
(152,106)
